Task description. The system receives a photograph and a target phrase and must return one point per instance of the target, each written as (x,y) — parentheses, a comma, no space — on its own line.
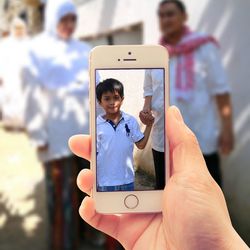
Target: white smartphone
(129,94)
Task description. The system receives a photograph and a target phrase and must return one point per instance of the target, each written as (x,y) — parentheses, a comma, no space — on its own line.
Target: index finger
(80,145)
(85,181)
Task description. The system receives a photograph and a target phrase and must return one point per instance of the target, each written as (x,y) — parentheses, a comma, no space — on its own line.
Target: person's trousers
(159,164)
(212,162)
(63,198)
(124,187)
(213,165)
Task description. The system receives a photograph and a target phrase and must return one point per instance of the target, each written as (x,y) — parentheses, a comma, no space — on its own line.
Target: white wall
(228,21)
(102,16)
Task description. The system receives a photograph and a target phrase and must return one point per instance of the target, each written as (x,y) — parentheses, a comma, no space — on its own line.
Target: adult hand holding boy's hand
(194,212)
(43,148)
(146,118)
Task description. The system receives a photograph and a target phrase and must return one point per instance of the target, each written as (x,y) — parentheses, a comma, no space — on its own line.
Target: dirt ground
(22,195)
(23,217)
(143,181)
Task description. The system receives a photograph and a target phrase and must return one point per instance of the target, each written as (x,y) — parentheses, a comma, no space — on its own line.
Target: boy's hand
(146,118)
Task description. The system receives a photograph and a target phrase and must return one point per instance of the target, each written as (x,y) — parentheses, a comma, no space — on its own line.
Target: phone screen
(130,129)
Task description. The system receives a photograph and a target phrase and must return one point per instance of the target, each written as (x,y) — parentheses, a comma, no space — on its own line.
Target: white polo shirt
(200,113)
(115,144)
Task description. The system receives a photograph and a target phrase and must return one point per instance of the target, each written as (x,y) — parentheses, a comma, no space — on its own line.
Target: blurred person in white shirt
(13,51)
(198,87)
(57,107)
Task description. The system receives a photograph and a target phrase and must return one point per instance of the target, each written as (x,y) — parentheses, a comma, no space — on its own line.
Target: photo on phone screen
(130,129)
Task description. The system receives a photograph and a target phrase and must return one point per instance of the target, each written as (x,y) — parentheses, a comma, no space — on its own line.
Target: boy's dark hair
(109,85)
(181,6)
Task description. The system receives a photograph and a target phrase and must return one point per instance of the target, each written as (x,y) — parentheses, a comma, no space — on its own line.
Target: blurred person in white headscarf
(57,107)
(13,51)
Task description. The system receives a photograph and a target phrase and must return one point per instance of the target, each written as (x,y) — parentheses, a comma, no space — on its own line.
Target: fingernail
(177,114)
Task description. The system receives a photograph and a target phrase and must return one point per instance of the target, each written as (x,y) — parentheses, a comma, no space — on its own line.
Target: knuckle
(195,182)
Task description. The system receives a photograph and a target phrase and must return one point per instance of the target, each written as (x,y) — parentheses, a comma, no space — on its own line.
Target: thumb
(185,153)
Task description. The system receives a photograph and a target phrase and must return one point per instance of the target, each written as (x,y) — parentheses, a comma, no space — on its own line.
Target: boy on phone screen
(117,132)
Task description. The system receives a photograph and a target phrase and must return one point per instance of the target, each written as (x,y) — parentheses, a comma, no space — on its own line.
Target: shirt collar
(100,118)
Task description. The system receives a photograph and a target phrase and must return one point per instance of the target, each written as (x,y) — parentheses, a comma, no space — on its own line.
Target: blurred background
(23,214)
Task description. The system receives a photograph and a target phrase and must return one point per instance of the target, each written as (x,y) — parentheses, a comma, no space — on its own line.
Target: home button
(131,201)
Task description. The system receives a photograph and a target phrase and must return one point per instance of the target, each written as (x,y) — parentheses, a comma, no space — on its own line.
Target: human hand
(146,118)
(42,148)
(226,141)
(194,213)
(147,108)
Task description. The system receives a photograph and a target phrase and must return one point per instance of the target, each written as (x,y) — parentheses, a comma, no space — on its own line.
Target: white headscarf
(55,11)
(18,22)
(54,62)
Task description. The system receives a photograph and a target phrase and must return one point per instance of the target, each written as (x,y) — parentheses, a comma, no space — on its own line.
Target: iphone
(129,94)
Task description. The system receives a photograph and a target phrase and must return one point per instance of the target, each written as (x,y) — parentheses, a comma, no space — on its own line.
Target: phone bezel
(107,57)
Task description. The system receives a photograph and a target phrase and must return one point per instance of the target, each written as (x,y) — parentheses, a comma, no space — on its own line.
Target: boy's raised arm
(143,142)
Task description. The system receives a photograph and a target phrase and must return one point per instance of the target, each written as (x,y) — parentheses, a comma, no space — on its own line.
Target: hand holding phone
(194,208)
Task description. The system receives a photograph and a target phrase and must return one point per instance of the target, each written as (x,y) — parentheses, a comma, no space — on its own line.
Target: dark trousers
(64,198)
(213,165)
(159,162)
